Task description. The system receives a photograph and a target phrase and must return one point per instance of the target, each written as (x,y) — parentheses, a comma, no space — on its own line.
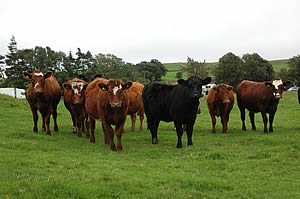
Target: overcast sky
(168,30)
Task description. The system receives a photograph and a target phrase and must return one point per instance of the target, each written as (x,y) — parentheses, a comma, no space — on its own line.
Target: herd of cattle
(110,101)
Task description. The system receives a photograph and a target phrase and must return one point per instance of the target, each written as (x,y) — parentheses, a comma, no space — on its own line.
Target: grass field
(237,165)
(173,68)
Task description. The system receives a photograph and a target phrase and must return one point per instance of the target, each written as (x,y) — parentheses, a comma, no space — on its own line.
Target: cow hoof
(179,146)
(113,147)
(35,130)
(154,141)
(43,129)
(56,129)
(244,128)
(119,148)
(92,140)
(49,133)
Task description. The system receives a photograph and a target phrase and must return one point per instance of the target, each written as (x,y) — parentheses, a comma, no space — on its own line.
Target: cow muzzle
(38,90)
(116,104)
(277,95)
(226,101)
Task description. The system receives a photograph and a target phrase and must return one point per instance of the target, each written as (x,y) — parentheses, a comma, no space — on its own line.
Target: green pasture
(239,164)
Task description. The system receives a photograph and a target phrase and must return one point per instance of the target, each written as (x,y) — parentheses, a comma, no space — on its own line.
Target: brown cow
(220,102)
(43,94)
(74,100)
(107,101)
(136,106)
(259,97)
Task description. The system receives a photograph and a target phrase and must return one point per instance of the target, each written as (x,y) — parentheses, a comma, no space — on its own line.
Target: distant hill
(173,68)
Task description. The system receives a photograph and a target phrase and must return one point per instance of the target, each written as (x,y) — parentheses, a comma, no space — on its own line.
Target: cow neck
(40,100)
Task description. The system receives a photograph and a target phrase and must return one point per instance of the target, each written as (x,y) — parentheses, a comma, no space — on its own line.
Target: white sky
(167,30)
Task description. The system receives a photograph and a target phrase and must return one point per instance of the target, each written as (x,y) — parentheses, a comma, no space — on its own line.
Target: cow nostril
(226,101)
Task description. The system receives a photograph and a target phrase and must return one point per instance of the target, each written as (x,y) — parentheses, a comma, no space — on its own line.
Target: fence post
(15,90)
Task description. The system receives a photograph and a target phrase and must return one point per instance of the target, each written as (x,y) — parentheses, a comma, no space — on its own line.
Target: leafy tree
(256,68)
(229,69)
(152,70)
(294,69)
(195,68)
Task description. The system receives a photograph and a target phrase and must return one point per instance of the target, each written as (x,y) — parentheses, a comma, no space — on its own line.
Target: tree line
(230,69)
(68,66)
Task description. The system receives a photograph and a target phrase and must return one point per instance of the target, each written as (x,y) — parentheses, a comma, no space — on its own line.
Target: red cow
(107,101)
(74,100)
(43,94)
(220,102)
(259,97)
(136,106)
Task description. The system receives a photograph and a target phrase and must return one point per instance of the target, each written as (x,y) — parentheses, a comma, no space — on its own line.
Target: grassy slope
(238,165)
(173,68)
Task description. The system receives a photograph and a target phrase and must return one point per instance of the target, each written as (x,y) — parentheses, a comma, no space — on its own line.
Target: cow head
(277,87)
(115,90)
(37,80)
(194,84)
(78,88)
(223,91)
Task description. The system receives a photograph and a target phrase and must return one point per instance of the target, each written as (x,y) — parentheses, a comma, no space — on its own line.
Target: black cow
(178,103)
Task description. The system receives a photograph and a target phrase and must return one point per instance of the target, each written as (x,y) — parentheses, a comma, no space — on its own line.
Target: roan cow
(259,97)
(220,101)
(74,100)
(178,103)
(107,101)
(43,94)
(136,106)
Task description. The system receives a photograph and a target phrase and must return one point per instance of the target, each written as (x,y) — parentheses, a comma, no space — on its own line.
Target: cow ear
(126,85)
(287,83)
(85,85)
(268,84)
(182,82)
(103,86)
(229,88)
(48,74)
(67,86)
(206,81)
(27,75)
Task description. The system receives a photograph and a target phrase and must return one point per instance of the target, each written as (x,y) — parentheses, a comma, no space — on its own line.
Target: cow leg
(106,136)
(133,119)
(189,133)
(79,127)
(179,131)
(271,118)
(265,120)
(43,122)
(224,123)
(119,130)
(153,126)
(35,119)
(92,122)
(213,123)
(110,132)
(141,119)
(74,123)
(86,124)
(46,119)
(242,110)
(54,115)
(251,116)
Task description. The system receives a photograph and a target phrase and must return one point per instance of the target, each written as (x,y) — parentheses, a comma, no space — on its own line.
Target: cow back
(134,94)
(92,95)
(255,96)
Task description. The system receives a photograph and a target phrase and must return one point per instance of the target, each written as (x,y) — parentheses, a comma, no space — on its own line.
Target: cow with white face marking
(259,97)
(74,99)
(43,95)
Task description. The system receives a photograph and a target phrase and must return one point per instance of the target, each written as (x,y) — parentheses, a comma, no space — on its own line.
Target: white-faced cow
(259,97)
(43,94)
(74,100)
(178,103)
